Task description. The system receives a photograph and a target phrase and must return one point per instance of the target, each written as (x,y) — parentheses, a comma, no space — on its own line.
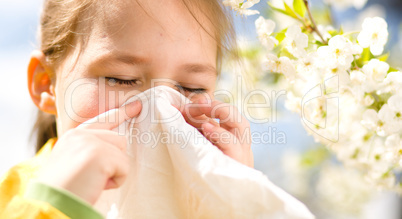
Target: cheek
(88,100)
(83,101)
(86,103)
(79,104)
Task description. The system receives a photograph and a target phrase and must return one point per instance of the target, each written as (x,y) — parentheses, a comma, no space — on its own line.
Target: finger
(192,110)
(97,137)
(115,182)
(229,144)
(113,118)
(193,115)
(197,122)
(118,169)
(229,117)
(120,141)
(221,138)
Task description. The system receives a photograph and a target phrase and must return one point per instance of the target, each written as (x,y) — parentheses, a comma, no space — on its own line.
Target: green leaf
(384,57)
(341,31)
(299,7)
(290,11)
(314,157)
(287,12)
(366,55)
(277,9)
(333,32)
(319,43)
(392,69)
(280,36)
(285,52)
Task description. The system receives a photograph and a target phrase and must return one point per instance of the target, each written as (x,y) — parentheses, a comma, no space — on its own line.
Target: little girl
(92,50)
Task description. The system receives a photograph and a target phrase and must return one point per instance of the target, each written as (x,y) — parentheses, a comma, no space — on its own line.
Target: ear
(40,84)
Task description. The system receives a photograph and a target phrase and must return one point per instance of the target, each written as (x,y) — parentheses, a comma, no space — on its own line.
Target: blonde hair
(64,23)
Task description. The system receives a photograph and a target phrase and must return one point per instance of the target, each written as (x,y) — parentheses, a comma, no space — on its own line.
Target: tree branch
(314,27)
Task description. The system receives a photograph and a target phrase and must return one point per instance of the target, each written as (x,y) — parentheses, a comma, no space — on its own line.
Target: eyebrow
(196,68)
(125,58)
(114,58)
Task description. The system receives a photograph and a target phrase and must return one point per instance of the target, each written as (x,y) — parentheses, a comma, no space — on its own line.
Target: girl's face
(135,48)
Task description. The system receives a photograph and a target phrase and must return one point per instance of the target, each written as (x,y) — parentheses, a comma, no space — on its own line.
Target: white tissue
(180,174)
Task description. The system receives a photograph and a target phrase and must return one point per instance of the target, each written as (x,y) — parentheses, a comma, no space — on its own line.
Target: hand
(231,135)
(90,158)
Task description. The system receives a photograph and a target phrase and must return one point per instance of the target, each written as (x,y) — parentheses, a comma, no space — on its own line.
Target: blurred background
(297,164)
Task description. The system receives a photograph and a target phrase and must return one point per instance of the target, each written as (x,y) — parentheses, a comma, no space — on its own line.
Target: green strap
(66,202)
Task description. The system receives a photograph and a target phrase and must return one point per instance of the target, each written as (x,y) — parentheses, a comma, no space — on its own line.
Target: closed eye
(192,90)
(112,81)
(135,82)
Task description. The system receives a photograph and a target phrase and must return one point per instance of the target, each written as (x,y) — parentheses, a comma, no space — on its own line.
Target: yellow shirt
(21,197)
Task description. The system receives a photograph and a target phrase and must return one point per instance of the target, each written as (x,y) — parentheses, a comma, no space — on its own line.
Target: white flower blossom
(357,77)
(342,75)
(392,83)
(324,30)
(394,146)
(306,67)
(281,65)
(265,27)
(374,35)
(380,122)
(355,111)
(380,178)
(379,163)
(356,49)
(357,83)
(338,53)
(293,103)
(296,41)
(242,7)
(368,100)
(376,71)
(393,140)
(395,104)
(315,112)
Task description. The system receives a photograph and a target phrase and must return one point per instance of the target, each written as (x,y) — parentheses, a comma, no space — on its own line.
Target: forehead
(152,24)
(167,13)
